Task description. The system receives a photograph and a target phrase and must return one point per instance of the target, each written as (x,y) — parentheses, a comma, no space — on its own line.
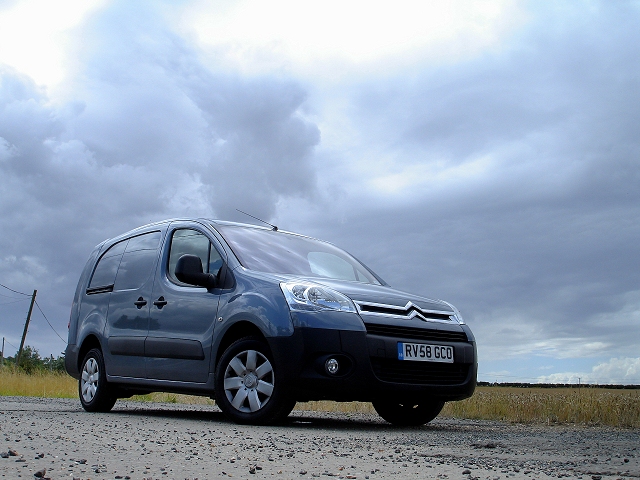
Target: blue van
(259,319)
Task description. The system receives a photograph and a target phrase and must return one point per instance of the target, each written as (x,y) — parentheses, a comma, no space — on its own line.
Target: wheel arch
(90,341)
(275,403)
(238,330)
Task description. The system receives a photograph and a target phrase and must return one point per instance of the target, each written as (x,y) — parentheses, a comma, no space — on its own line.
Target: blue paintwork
(258,299)
(382,294)
(125,319)
(190,314)
(75,307)
(328,320)
(201,317)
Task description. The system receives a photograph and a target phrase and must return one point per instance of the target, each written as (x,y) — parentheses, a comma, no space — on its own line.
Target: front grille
(422,373)
(414,333)
(403,311)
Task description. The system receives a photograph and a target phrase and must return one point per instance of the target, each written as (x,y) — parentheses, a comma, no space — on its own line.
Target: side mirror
(189,270)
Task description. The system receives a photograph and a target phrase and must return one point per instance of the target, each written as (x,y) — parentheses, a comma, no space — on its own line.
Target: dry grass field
(588,406)
(591,406)
(38,384)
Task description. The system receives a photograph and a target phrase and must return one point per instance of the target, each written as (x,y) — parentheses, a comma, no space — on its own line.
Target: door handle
(141,302)
(160,302)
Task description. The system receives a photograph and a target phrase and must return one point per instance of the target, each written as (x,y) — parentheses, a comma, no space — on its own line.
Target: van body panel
(129,304)
(182,319)
(158,333)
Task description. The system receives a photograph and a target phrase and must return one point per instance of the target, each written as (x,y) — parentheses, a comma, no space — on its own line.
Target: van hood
(365,293)
(382,295)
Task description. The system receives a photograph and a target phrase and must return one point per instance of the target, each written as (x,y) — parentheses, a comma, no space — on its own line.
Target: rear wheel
(409,414)
(247,387)
(94,391)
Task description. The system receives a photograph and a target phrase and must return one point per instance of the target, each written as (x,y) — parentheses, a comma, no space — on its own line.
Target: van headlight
(305,296)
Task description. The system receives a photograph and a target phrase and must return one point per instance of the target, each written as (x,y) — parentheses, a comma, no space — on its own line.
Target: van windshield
(278,252)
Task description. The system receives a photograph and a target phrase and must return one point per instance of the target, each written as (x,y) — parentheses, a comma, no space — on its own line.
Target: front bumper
(371,369)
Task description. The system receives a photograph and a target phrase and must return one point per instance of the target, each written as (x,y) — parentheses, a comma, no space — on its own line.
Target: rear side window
(148,241)
(105,273)
(137,262)
(186,241)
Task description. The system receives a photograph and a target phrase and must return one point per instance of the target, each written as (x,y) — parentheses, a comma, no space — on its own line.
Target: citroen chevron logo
(409,311)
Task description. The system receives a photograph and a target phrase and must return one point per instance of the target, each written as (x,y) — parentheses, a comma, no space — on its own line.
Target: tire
(411,414)
(248,389)
(95,393)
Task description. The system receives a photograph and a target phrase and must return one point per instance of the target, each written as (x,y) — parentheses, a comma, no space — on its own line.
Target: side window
(138,261)
(148,241)
(104,275)
(187,241)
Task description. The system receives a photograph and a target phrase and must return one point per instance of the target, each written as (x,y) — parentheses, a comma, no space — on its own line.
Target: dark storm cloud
(539,246)
(519,200)
(147,133)
(238,136)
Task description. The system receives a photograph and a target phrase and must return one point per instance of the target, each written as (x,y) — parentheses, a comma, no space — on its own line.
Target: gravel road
(55,438)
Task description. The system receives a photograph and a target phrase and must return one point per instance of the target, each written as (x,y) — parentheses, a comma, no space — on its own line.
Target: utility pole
(26,327)
(2,353)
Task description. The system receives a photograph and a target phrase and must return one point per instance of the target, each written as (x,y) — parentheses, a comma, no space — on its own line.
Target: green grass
(586,406)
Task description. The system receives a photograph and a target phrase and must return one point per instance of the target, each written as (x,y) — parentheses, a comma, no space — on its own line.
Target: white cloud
(22,272)
(624,371)
(430,177)
(6,150)
(334,38)
(33,35)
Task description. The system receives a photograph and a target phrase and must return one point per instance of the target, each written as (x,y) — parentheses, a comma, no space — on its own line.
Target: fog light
(332,366)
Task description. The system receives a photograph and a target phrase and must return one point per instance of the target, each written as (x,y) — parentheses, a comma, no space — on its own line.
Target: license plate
(421,352)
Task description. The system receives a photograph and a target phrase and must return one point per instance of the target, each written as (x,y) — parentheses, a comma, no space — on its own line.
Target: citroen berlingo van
(259,319)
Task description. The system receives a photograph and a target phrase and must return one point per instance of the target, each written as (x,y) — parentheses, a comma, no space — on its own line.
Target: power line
(15,301)
(39,308)
(7,296)
(14,291)
(54,330)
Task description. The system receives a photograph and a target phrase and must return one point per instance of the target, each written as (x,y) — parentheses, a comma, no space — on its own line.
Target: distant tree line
(557,385)
(31,362)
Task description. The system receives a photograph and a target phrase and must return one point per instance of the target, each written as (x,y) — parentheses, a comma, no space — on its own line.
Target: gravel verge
(55,438)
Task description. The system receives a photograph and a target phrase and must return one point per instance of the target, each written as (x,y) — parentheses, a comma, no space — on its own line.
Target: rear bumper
(370,369)
(71,360)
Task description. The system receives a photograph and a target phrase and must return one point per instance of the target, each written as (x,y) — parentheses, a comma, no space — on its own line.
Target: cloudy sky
(486,153)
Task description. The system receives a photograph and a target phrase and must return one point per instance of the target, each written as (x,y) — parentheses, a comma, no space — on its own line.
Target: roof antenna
(273,227)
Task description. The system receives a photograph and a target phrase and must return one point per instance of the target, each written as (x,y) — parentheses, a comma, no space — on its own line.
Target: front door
(182,317)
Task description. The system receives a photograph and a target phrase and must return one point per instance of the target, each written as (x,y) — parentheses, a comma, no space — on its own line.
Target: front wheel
(247,387)
(409,414)
(95,393)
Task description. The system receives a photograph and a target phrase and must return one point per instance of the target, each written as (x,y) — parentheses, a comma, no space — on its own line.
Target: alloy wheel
(89,381)
(249,381)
